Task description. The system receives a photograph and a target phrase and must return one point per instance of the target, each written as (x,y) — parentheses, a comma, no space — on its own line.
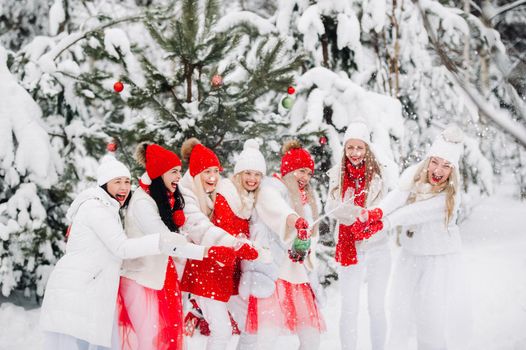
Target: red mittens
(361,230)
(375,214)
(247,252)
(301,226)
(224,255)
(178,218)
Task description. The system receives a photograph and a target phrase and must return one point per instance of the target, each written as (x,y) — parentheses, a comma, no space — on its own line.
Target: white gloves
(346,213)
(170,241)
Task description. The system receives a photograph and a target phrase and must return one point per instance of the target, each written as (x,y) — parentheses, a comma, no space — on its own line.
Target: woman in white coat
(79,306)
(275,289)
(428,283)
(362,249)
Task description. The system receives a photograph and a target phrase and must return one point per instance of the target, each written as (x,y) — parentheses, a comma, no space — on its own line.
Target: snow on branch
(489,12)
(320,87)
(499,117)
(450,17)
(251,19)
(21,116)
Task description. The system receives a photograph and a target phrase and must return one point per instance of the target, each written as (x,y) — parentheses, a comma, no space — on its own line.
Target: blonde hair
(372,168)
(243,193)
(291,184)
(449,187)
(202,195)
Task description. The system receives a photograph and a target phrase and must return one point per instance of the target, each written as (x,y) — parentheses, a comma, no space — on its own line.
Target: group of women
(244,248)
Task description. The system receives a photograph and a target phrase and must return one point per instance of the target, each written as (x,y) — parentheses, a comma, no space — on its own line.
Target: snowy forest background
(219,70)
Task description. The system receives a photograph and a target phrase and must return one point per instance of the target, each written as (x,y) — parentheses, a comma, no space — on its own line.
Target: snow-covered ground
(495,250)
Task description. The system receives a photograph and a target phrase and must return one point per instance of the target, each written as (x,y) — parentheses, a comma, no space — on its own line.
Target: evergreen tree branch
(72,39)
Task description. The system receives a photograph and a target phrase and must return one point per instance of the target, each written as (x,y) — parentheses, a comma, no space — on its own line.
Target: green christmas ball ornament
(287,102)
(301,245)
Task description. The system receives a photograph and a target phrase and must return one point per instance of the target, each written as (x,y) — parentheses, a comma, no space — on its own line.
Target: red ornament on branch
(291,90)
(112,146)
(216,81)
(118,86)
(323,140)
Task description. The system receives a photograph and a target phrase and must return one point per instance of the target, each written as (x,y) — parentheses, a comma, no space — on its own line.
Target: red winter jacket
(207,278)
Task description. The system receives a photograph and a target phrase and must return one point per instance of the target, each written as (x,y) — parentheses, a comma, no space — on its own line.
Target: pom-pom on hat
(448,145)
(109,169)
(357,130)
(156,159)
(199,157)
(250,158)
(295,157)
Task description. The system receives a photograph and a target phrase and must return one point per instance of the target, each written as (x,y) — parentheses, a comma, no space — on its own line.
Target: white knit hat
(448,145)
(109,169)
(357,130)
(250,158)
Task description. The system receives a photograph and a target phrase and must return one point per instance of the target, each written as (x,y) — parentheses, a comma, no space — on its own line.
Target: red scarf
(354,178)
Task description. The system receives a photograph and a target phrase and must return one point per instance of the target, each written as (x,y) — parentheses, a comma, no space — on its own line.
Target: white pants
(429,291)
(373,266)
(216,314)
(61,341)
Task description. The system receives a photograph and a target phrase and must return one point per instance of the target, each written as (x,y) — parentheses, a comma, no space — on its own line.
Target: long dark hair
(158,193)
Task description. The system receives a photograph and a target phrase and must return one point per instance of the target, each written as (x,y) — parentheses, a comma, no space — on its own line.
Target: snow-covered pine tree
(46,121)
(30,210)
(209,81)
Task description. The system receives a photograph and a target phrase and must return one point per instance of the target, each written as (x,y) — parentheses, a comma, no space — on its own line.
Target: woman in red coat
(211,283)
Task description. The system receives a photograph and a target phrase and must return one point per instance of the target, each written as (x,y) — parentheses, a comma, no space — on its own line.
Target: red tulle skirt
(264,313)
(151,319)
(291,308)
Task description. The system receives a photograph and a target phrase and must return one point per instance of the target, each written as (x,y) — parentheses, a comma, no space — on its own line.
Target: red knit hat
(202,158)
(159,160)
(295,158)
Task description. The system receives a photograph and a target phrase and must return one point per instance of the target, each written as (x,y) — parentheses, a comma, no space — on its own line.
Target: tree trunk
(325,49)
(396,51)
(467,38)
(188,70)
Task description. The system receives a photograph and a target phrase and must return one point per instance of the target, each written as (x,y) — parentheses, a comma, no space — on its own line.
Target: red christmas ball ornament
(118,86)
(217,81)
(291,90)
(112,146)
(323,140)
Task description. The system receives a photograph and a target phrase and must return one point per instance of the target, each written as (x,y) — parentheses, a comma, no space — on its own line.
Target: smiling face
(250,180)
(119,188)
(355,151)
(171,178)
(302,177)
(438,171)
(209,178)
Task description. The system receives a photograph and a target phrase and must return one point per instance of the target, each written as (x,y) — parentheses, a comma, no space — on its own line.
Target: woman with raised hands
(428,288)
(362,251)
(79,310)
(150,296)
